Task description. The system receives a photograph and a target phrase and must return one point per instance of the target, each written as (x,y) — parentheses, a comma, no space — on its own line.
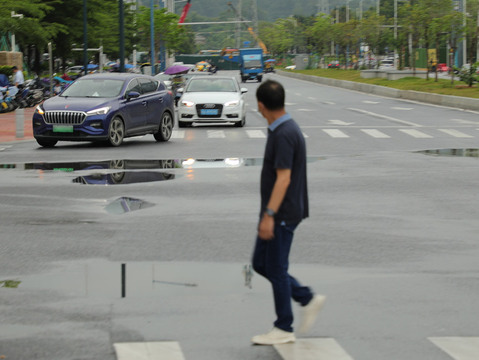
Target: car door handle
(144,103)
(161,99)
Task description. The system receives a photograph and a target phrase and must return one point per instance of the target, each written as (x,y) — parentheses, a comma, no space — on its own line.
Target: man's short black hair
(14,68)
(271,94)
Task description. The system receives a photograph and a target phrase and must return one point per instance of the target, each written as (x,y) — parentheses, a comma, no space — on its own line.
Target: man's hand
(266,228)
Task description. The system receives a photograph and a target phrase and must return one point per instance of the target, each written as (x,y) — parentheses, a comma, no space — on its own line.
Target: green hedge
(6,69)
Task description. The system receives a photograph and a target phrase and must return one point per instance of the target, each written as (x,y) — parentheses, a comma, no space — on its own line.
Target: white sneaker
(274,337)
(310,312)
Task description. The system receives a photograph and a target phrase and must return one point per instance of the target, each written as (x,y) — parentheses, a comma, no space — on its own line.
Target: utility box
(301,61)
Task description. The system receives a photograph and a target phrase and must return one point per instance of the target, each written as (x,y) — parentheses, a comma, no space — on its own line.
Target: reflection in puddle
(112,172)
(452,152)
(125,204)
(101,278)
(123,177)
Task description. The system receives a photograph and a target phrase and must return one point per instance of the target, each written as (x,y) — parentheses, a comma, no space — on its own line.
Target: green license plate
(63,129)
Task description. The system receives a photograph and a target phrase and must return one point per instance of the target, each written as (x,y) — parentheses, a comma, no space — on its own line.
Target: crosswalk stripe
(375,133)
(216,134)
(455,133)
(459,348)
(178,134)
(416,133)
(161,350)
(256,134)
(313,349)
(335,133)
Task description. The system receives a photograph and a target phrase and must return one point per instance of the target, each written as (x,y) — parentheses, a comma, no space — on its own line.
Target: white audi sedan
(211,99)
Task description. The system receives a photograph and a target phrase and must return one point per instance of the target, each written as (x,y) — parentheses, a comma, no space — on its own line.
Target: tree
(319,34)
(166,28)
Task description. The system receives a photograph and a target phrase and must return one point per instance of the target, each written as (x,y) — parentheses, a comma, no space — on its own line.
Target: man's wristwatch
(270,212)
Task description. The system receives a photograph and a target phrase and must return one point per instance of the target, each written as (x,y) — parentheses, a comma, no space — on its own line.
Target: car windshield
(104,88)
(211,85)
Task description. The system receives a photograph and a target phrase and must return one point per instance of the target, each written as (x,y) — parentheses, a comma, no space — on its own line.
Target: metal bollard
(20,123)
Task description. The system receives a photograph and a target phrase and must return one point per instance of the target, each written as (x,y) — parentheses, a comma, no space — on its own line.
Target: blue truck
(251,64)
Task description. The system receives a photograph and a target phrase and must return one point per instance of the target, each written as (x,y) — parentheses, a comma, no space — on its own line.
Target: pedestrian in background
(284,204)
(18,78)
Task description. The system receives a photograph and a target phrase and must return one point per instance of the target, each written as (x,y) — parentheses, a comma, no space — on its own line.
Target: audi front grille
(209,110)
(64,117)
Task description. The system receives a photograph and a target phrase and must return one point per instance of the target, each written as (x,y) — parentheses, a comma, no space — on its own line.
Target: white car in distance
(212,99)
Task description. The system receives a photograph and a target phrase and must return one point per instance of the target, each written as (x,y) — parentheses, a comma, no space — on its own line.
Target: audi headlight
(187,103)
(232,103)
(39,110)
(100,111)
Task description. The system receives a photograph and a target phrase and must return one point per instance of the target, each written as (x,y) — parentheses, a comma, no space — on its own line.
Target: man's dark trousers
(271,260)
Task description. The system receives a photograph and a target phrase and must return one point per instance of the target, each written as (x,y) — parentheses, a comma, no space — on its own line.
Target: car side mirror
(244,90)
(132,95)
(180,90)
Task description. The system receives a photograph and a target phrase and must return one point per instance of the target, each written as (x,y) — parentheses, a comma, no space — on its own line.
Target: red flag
(184,12)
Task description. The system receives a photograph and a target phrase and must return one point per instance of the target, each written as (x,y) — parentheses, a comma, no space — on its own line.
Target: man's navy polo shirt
(286,149)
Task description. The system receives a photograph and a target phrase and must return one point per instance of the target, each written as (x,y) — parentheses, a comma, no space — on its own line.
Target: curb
(435,99)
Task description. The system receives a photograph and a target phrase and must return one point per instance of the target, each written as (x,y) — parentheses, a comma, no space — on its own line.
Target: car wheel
(116,132)
(166,127)
(241,123)
(46,142)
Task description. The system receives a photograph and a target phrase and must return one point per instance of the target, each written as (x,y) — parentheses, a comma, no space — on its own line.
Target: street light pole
(152,38)
(395,31)
(122,37)
(20,16)
(85,39)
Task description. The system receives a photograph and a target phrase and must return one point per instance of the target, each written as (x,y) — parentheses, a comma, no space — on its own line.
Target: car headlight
(187,103)
(39,110)
(232,103)
(100,111)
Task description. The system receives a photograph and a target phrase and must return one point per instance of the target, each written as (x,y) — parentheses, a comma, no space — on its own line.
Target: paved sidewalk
(8,125)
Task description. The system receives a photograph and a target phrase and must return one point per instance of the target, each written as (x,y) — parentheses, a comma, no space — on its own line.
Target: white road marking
(256,134)
(401,108)
(216,134)
(305,135)
(164,350)
(313,349)
(370,102)
(459,348)
(178,134)
(307,110)
(455,133)
(386,117)
(469,122)
(375,133)
(335,133)
(329,103)
(311,98)
(339,122)
(416,133)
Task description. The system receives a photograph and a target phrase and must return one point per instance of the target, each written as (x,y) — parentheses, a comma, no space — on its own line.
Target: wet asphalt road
(392,238)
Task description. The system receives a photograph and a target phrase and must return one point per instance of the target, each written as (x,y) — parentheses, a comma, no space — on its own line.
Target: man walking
(284,204)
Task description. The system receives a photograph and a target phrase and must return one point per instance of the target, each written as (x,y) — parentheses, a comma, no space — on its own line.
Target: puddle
(114,172)
(102,278)
(452,152)
(125,204)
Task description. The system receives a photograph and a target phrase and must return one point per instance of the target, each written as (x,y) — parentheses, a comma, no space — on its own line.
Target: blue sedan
(106,107)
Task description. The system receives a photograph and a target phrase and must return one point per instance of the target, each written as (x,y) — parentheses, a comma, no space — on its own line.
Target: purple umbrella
(176,69)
